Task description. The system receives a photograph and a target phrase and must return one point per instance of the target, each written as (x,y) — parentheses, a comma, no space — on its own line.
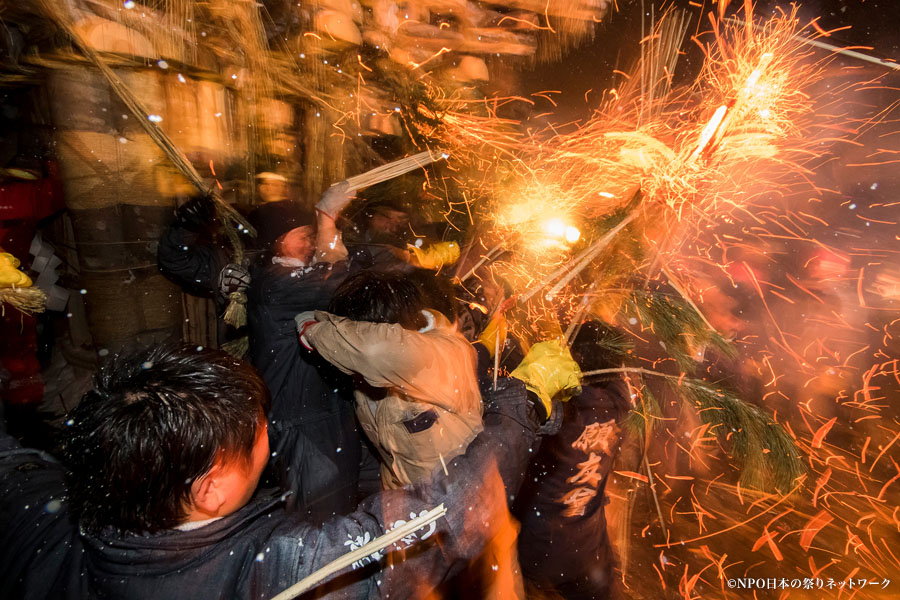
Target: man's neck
(191,525)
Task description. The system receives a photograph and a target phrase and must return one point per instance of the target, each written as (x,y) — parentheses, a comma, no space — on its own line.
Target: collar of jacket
(291,263)
(434,320)
(171,550)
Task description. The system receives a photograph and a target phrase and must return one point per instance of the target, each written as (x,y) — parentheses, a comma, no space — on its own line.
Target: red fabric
(19,357)
(22,205)
(32,200)
(306,325)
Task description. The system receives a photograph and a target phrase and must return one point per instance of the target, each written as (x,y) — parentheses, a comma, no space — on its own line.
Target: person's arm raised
(329,243)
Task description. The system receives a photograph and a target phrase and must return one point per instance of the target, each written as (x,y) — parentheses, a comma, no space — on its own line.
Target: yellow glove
(549,369)
(494,335)
(436,255)
(10,275)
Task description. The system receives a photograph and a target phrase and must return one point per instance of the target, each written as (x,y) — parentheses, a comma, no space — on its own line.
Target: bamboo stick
(555,274)
(597,249)
(496,359)
(640,370)
(674,283)
(575,326)
(652,487)
(376,545)
(489,255)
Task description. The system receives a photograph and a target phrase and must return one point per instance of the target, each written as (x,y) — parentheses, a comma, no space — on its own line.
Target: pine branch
(764,451)
(641,422)
(676,324)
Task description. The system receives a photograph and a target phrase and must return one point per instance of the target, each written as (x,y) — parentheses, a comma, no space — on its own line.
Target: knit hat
(384,204)
(274,219)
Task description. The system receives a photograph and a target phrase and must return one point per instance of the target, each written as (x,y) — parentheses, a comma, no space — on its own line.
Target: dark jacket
(261,549)
(385,258)
(39,548)
(563,544)
(312,431)
(192,259)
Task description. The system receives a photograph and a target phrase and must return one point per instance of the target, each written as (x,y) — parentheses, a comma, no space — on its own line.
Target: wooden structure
(242,87)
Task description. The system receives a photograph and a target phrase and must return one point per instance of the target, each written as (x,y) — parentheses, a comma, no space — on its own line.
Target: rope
(228,215)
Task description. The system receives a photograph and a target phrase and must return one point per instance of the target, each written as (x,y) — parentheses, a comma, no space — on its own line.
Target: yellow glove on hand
(494,335)
(10,275)
(549,369)
(436,255)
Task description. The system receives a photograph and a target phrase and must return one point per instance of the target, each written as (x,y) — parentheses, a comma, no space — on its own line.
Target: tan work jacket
(429,407)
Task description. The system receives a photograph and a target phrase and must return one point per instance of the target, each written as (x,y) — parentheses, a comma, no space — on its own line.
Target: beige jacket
(428,408)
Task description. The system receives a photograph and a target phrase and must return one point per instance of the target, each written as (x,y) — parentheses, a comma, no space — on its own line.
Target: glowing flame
(555,227)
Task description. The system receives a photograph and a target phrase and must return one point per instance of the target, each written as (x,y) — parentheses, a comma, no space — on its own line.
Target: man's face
(299,243)
(389,221)
(272,190)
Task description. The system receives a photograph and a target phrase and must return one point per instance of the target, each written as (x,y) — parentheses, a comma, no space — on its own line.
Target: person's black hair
(438,292)
(156,420)
(378,206)
(379,297)
(598,346)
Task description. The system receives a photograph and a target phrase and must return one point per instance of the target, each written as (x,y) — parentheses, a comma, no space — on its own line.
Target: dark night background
(874,26)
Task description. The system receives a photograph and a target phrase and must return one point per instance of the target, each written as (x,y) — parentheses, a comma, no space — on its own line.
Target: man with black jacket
(564,548)
(193,254)
(315,441)
(163,456)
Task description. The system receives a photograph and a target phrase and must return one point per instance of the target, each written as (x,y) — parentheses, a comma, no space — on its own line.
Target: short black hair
(598,346)
(380,297)
(156,420)
(439,292)
(381,205)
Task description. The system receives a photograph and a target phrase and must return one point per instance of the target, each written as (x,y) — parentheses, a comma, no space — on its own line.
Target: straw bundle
(28,300)
(394,169)
(236,313)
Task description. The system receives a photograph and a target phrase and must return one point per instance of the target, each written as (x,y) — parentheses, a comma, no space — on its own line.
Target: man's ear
(207,495)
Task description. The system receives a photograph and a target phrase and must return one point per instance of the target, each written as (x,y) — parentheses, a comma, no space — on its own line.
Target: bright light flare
(560,230)
(555,227)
